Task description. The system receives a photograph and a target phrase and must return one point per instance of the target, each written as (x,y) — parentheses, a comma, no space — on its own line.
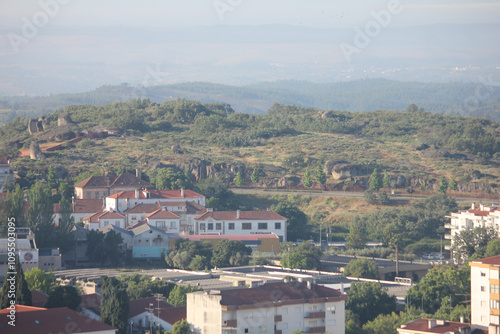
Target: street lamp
(320,243)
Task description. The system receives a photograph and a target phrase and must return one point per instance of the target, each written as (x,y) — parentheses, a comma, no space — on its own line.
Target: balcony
(278,318)
(230,324)
(448,226)
(321,329)
(447,236)
(316,315)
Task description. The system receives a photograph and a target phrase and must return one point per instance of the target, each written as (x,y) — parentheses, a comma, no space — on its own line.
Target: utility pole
(151,310)
(158,298)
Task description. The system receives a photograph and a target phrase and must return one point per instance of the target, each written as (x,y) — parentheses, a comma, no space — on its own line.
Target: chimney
(342,288)
(137,194)
(432,323)
(138,173)
(462,319)
(210,210)
(73,203)
(309,285)
(238,214)
(182,192)
(473,206)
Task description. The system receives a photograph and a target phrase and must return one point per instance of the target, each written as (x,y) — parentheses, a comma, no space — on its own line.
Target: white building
(151,312)
(485,294)
(103,218)
(127,199)
(483,216)
(277,308)
(241,222)
(80,208)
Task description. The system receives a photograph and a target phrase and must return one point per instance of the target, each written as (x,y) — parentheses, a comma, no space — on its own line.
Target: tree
(306,181)
(64,238)
(23,293)
(472,242)
(255,175)
(115,304)
(412,108)
(64,296)
(296,223)
(303,256)
(219,197)
(143,286)
(170,178)
(40,214)
(437,285)
(181,327)
(443,185)
(453,184)
(177,296)
(357,235)
(105,248)
(320,175)
(40,280)
(190,254)
(386,182)
(375,182)
(363,268)
(368,300)
(383,324)
(492,248)
(239,181)
(230,253)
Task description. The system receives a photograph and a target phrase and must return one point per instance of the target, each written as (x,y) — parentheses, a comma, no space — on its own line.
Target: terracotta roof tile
(83,206)
(142,208)
(493,260)
(244,215)
(139,306)
(94,218)
(422,325)
(111,180)
(233,237)
(162,214)
(165,194)
(38,298)
(49,321)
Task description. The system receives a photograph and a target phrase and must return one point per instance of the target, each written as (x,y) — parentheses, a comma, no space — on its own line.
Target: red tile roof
(165,194)
(139,306)
(142,208)
(108,181)
(50,321)
(4,161)
(91,300)
(188,207)
(174,314)
(422,325)
(162,214)
(103,215)
(278,292)
(233,237)
(83,206)
(38,298)
(493,260)
(244,215)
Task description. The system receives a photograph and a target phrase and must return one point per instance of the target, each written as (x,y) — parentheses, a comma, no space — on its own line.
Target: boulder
(64,119)
(35,151)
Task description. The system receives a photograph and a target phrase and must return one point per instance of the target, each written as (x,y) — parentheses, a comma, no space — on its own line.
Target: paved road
(342,194)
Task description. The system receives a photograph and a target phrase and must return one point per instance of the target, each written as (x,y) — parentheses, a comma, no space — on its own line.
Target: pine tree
(386,182)
(320,175)
(306,181)
(238,180)
(375,180)
(453,185)
(63,232)
(23,293)
(443,185)
(114,304)
(256,175)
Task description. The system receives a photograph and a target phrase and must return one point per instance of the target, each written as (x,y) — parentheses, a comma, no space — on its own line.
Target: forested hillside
(467,99)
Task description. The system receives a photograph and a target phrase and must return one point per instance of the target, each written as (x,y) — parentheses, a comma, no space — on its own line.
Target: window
(246,330)
(134,218)
(246,226)
(230,226)
(173,225)
(483,274)
(210,226)
(202,226)
(218,226)
(483,303)
(97,194)
(160,224)
(277,226)
(494,288)
(483,289)
(262,226)
(495,304)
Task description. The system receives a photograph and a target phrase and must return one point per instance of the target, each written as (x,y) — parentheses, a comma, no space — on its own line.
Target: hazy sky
(178,13)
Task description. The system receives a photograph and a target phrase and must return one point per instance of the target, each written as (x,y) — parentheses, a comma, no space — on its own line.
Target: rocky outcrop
(35,151)
(35,126)
(203,169)
(64,119)
(59,134)
(345,171)
(177,149)
(442,153)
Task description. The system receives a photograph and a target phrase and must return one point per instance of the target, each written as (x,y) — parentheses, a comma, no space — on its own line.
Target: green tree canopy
(376,181)
(296,223)
(170,178)
(443,185)
(471,242)
(23,293)
(181,327)
(239,180)
(177,296)
(368,300)
(190,254)
(320,175)
(40,214)
(115,304)
(40,280)
(492,248)
(256,175)
(306,180)
(64,296)
(230,253)
(303,256)
(363,268)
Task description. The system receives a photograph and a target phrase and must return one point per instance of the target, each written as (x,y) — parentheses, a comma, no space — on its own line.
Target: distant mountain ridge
(465,99)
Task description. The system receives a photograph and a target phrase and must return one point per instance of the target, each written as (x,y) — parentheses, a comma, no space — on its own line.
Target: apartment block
(279,308)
